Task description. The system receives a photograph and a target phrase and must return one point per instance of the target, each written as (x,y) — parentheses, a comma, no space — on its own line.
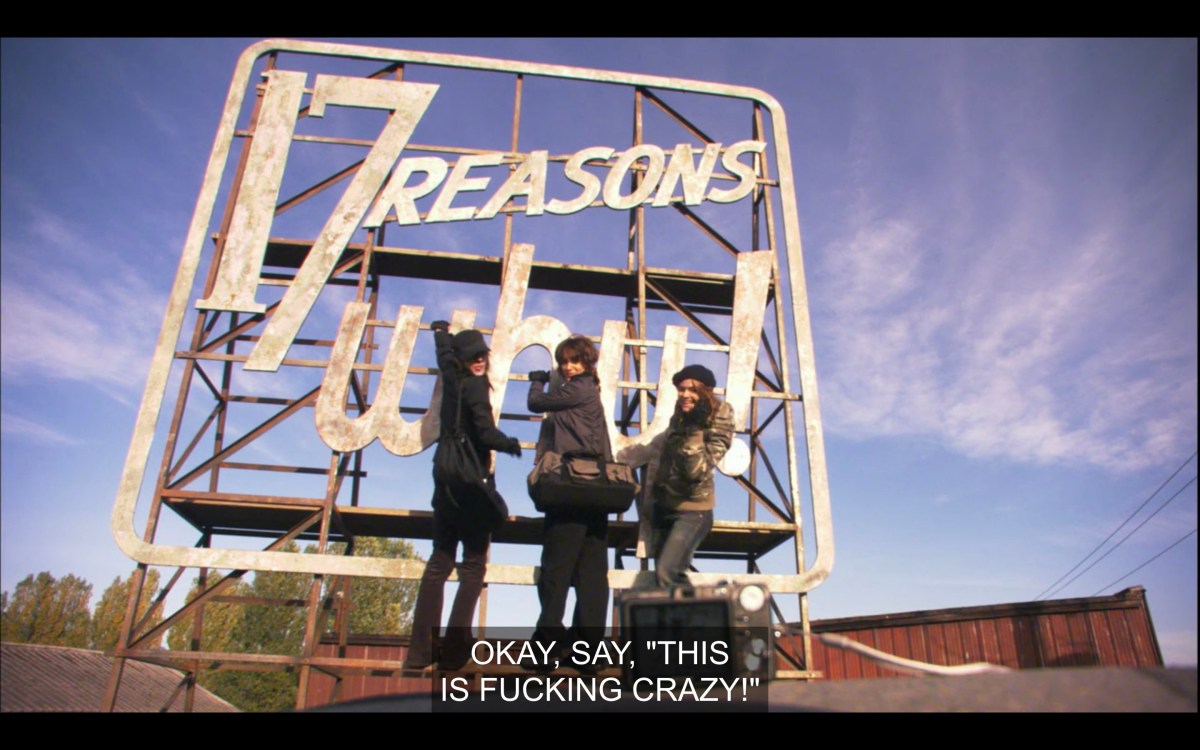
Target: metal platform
(271,517)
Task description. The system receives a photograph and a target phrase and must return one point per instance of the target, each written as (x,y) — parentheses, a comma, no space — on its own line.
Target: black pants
(467,523)
(574,553)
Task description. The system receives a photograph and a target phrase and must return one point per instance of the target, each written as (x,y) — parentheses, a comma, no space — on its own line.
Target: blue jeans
(677,535)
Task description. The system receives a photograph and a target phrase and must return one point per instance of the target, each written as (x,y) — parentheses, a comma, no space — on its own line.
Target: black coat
(574,416)
(477,419)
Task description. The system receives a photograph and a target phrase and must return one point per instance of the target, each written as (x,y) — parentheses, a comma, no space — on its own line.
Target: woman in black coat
(458,517)
(575,542)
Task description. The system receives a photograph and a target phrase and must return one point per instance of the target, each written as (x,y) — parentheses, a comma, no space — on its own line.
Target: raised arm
(444,344)
(568,395)
(639,455)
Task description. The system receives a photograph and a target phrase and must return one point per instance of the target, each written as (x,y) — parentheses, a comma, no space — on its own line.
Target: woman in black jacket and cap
(575,542)
(463,360)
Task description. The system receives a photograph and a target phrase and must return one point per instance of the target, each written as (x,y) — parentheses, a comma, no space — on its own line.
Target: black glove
(513,448)
(440,325)
(701,413)
(539,376)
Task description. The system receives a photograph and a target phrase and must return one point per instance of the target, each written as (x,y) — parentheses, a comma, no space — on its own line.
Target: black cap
(696,372)
(468,345)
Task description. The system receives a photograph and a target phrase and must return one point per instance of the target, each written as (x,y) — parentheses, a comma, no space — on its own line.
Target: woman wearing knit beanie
(699,434)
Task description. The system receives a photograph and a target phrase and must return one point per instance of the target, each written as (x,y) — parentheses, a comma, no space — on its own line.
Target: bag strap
(602,460)
(457,428)
(458,408)
(460,434)
(583,454)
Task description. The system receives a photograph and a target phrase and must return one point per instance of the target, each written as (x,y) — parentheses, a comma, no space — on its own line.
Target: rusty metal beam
(767,423)
(319,188)
(766,501)
(225,581)
(236,332)
(183,682)
(275,467)
(234,497)
(158,603)
(674,115)
(305,400)
(200,432)
(700,325)
(766,460)
(212,387)
(780,382)
(704,226)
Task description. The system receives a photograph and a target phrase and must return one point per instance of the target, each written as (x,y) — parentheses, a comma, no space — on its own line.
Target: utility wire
(1114,533)
(1160,554)
(1131,533)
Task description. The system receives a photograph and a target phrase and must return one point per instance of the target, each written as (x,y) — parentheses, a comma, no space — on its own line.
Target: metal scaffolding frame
(194,481)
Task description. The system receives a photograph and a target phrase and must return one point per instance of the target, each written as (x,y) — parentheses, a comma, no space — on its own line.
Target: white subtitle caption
(602,655)
(573,689)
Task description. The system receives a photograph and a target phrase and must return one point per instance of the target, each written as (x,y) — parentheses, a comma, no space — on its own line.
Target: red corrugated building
(1106,631)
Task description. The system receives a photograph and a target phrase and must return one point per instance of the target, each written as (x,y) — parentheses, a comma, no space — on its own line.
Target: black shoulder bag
(582,481)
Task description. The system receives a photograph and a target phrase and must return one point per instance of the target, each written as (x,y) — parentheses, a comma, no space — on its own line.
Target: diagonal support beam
(225,581)
(674,115)
(307,399)
(700,325)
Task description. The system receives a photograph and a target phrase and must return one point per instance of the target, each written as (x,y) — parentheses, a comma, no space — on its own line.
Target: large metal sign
(276,266)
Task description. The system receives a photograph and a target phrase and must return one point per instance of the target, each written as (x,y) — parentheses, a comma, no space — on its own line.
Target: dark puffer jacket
(574,417)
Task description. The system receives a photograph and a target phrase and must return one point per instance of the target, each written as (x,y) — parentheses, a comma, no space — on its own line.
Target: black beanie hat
(468,345)
(695,372)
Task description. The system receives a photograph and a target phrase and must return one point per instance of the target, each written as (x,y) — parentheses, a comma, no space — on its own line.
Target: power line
(1131,533)
(1127,520)
(1160,554)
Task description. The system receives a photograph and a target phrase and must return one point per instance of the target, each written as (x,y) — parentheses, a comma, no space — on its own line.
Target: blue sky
(1000,245)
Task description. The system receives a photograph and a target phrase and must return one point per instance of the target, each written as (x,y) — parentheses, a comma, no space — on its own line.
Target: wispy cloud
(62,318)
(20,428)
(1021,315)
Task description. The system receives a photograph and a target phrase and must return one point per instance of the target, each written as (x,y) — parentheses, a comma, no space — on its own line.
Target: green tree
(46,610)
(276,628)
(255,628)
(109,615)
(381,606)
(221,621)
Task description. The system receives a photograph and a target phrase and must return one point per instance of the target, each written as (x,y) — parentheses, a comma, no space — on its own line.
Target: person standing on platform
(683,491)
(575,541)
(463,360)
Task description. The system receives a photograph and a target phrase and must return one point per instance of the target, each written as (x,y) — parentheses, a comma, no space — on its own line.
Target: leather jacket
(689,458)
